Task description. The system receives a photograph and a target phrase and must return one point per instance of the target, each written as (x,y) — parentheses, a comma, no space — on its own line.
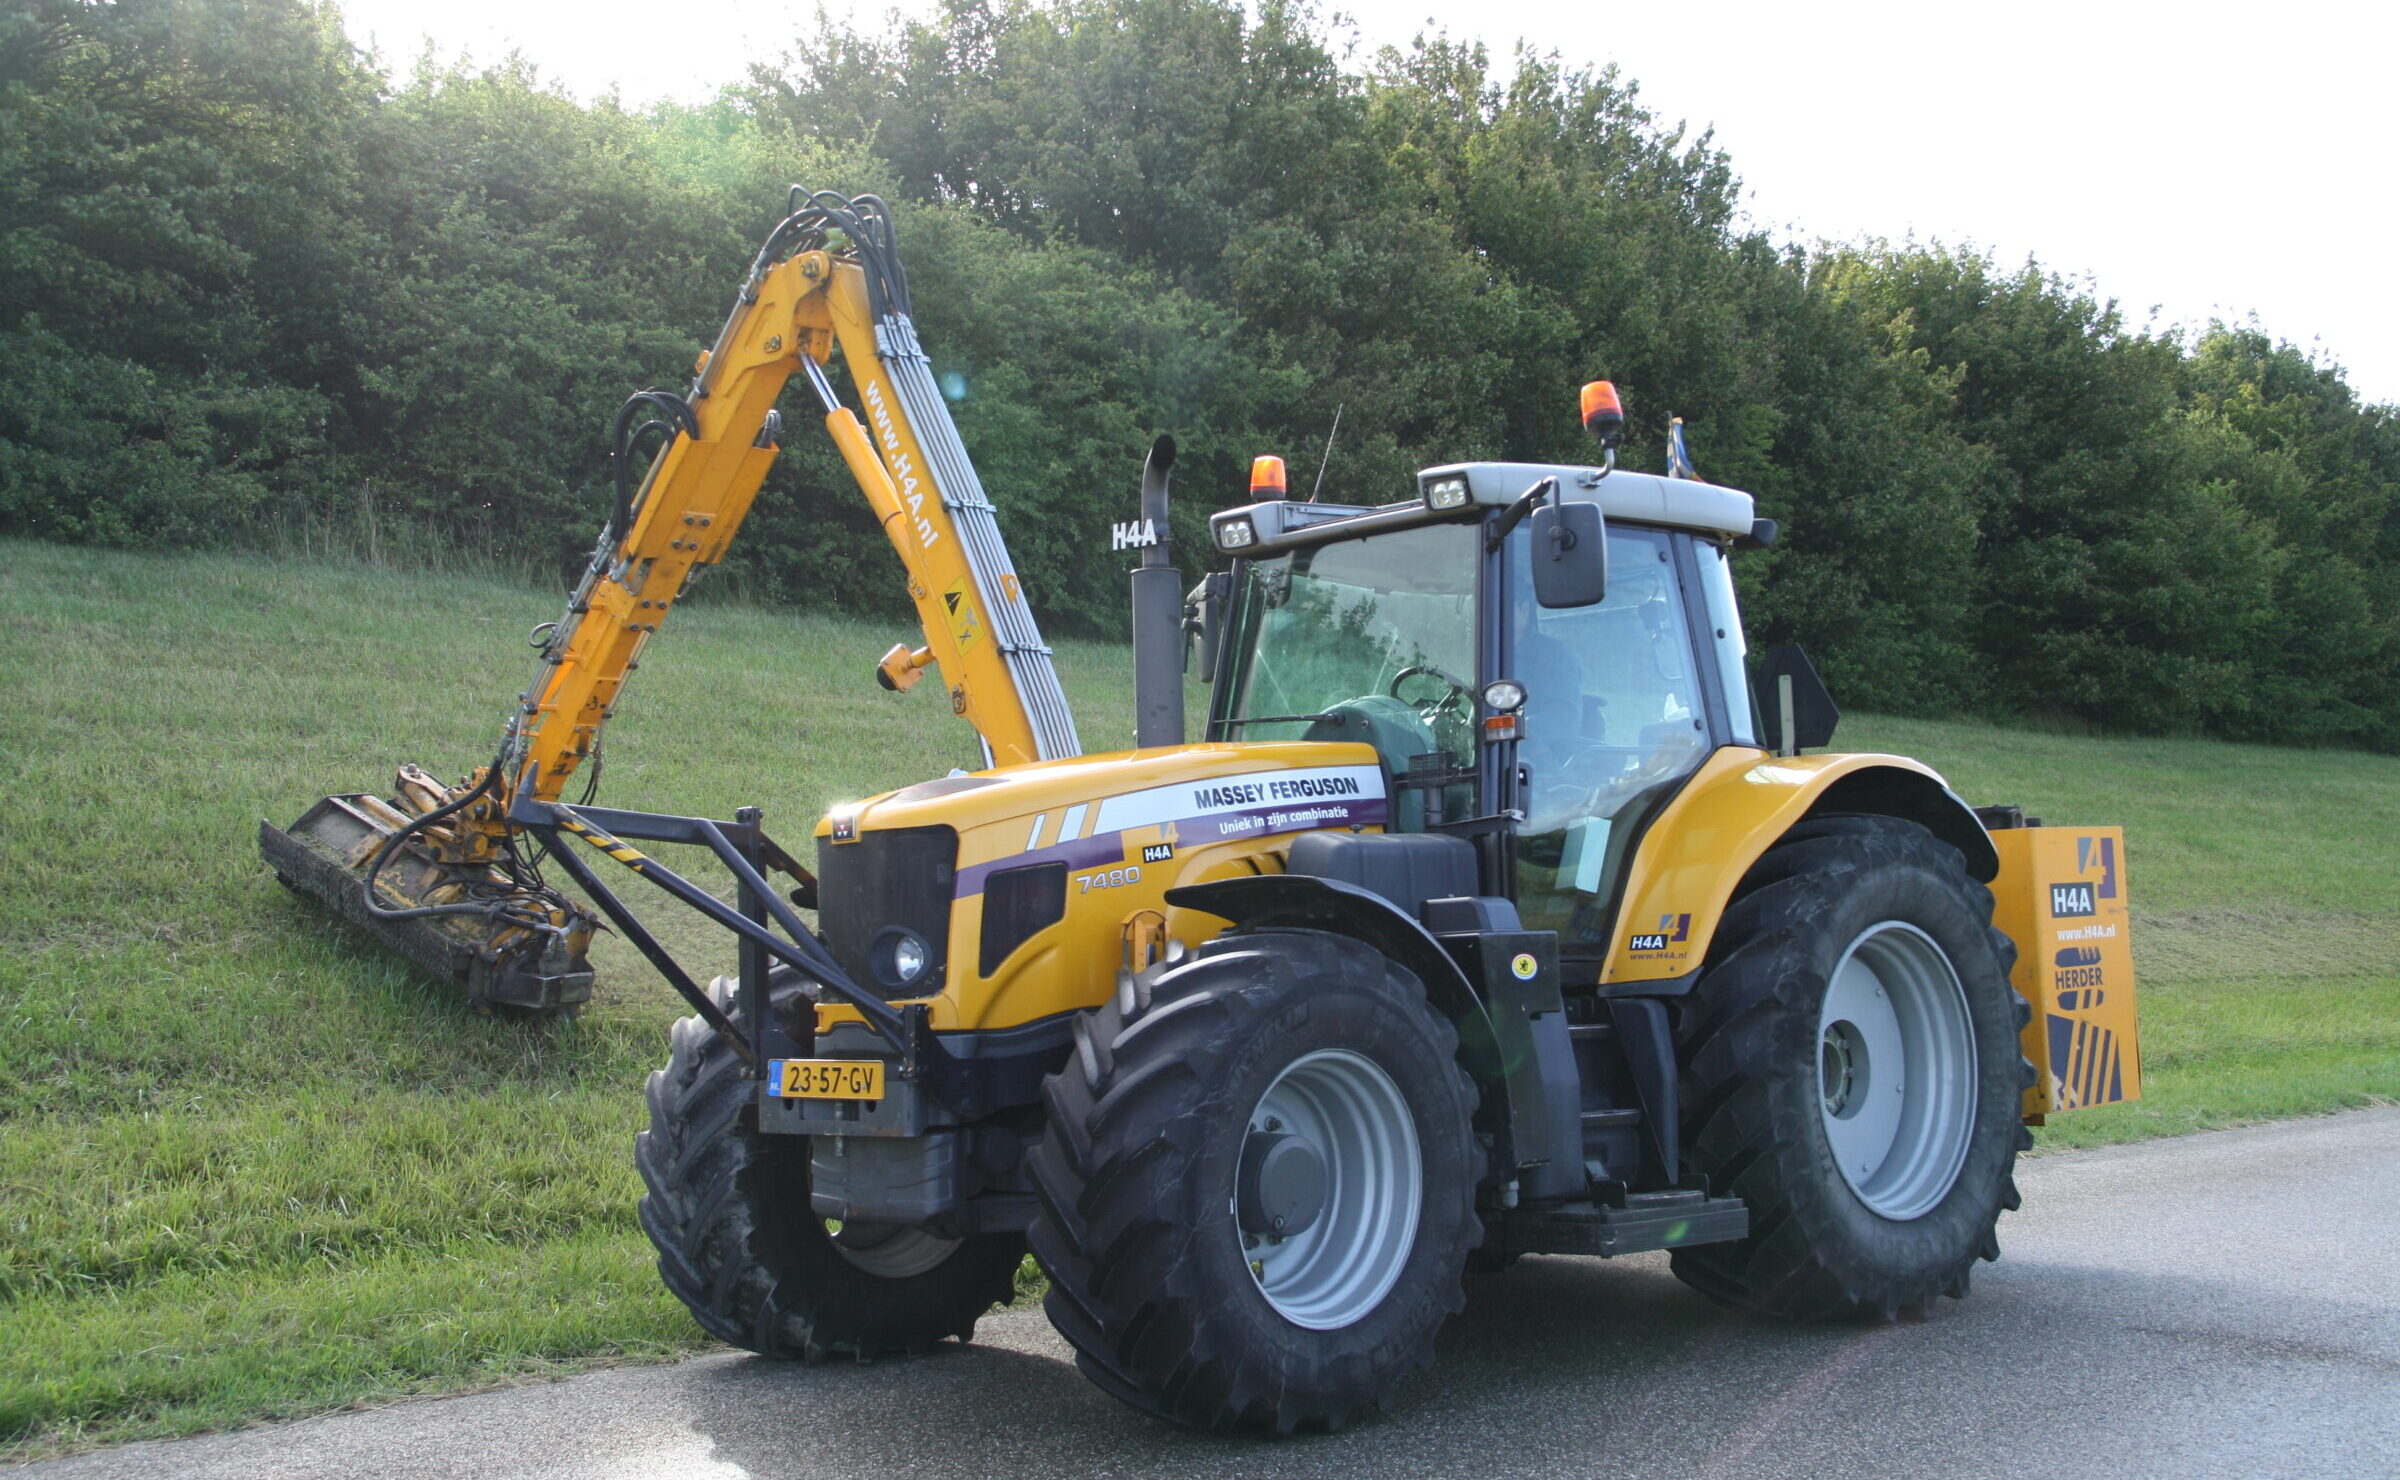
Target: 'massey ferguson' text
(1281,789)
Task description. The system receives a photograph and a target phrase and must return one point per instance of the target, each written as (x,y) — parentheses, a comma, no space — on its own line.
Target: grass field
(251,1166)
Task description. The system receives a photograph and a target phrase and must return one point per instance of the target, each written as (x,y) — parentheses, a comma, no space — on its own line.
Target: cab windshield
(1369,639)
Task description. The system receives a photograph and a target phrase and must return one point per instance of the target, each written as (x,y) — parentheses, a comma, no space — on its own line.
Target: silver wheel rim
(1332,1273)
(892,1251)
(1896,1078)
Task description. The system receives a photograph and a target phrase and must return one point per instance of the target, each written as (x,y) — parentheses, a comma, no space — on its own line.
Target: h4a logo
(1672,930)
(2082,895)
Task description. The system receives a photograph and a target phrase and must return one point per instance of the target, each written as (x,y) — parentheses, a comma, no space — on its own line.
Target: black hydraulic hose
(872,219)
(866,221)
(679,416)
(483,788)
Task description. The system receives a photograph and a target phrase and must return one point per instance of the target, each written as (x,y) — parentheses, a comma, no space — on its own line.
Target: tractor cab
(1545,732)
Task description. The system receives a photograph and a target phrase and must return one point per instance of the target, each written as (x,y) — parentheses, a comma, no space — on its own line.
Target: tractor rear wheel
(739,1243)
(1855,1075)
(1258,1183)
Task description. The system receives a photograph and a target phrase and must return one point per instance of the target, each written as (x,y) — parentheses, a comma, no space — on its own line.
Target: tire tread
(1757,980)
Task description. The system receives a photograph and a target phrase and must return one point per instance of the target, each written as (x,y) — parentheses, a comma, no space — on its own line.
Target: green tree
(247,278)
(176,191)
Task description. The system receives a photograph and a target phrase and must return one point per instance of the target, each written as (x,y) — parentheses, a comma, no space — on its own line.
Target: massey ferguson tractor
(1506,908)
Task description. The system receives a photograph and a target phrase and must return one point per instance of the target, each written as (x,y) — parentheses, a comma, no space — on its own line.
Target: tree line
(250,277)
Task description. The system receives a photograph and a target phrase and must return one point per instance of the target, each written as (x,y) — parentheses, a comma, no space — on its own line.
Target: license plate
(825,1079)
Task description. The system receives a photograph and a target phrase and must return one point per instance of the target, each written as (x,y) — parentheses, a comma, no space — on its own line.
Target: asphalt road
(2226,1304)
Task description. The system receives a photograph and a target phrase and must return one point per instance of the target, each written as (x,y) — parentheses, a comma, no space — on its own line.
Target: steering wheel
(1449,715)
(1429,707)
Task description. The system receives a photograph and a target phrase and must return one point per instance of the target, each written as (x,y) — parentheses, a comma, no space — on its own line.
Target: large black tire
(740,1245)
(1150,1279)
(1756,1093)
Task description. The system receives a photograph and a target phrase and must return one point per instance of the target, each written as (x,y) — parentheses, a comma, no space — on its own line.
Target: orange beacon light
(1603,413)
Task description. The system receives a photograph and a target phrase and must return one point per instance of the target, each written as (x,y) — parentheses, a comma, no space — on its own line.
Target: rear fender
(1733,810)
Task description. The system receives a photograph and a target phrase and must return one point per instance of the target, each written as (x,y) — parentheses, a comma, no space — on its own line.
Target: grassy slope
(249,1165)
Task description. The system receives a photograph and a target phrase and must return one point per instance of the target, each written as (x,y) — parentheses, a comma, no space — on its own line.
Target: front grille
(899,878)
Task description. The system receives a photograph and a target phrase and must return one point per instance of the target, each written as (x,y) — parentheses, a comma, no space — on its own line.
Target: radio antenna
(1328,457)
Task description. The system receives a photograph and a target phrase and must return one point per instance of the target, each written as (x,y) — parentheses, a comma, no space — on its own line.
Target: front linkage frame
(923,1068)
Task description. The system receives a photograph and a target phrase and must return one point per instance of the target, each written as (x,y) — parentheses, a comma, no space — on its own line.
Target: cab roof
(1640,498)
(1637,498)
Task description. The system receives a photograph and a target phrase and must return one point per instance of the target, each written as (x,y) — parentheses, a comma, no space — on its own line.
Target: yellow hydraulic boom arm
(443,873)
(911,465)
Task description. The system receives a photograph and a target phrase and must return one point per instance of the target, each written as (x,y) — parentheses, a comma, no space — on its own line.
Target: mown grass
(251,1165)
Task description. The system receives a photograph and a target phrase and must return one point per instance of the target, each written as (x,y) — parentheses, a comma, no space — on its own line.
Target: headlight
(1504,696)
(899,957)
(1446,493)
(1234,534)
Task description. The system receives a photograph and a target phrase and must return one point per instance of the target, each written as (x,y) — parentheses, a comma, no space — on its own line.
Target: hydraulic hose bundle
(625,437)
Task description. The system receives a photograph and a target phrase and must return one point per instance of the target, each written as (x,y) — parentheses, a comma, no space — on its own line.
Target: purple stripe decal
(1083,853)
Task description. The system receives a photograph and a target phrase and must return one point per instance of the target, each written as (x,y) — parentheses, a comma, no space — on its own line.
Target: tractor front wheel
(1258,1183)
(739,1243)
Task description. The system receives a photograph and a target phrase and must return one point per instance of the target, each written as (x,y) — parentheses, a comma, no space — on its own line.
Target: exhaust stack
(1158,641)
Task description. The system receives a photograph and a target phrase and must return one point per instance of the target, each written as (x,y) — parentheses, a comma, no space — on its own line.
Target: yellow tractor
(1501,911)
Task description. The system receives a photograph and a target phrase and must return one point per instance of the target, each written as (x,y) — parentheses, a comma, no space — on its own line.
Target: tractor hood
(1200,792)
(1028,887)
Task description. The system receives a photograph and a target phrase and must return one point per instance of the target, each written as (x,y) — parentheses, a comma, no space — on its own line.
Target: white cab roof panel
(1643,498)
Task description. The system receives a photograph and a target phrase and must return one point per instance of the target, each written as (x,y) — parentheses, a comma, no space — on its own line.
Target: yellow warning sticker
(966,623)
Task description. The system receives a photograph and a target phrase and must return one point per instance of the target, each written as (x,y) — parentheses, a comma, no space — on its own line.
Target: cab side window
(1613,721)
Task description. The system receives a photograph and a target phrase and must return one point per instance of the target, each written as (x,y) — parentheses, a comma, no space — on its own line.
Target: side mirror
(1204,620)
(1795,712)
(1570,555)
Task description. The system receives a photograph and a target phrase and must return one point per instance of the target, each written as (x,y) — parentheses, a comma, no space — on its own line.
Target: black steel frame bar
(909,1029)
(752,1001)
(652,827)
(801,950)
(643,941)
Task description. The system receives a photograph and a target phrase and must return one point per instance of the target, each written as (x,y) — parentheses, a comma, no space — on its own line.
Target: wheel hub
(1331,1149)
(890,1251)
(1281,1188)
(1842,1067)
(1896,1070)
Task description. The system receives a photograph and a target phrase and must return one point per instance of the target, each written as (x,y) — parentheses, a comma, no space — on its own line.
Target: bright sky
(2199,159)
